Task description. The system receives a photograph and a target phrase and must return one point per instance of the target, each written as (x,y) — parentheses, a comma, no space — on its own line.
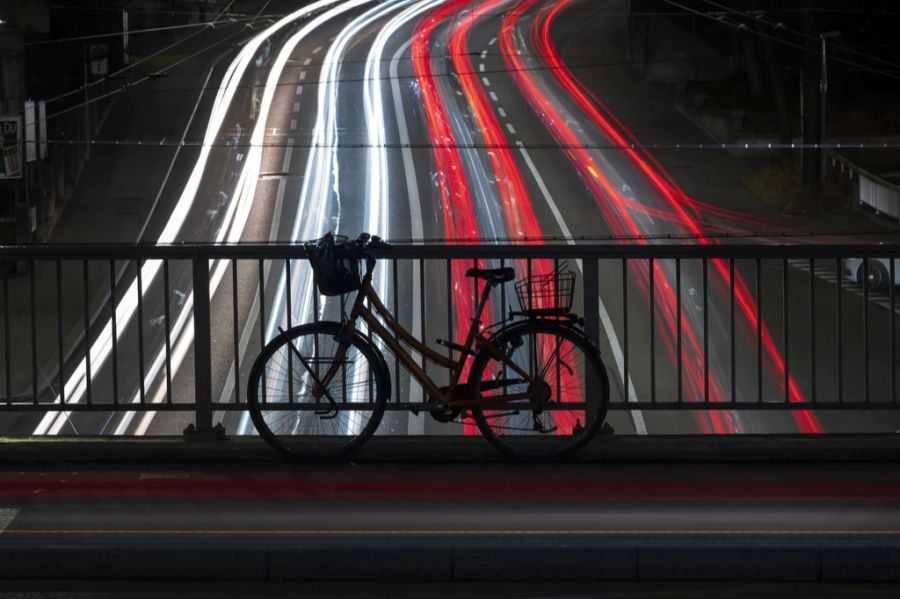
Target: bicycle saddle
(494,276)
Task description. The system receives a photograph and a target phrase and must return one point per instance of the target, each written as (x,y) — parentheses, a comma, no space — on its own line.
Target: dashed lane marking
(299,90)
(307,61)
(510,128)
(828,275)
(492,42)
(288,152)
(302,75)
(494,97)
(317,50)
(487,82)
(483,54)
(501,111)
(293,124)
(481,67)
(296,106)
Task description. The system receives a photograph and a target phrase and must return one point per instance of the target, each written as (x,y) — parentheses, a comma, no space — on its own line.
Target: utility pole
(823,91)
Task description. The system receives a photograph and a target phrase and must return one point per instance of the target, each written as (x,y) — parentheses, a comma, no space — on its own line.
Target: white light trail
(75,385)
(320,194)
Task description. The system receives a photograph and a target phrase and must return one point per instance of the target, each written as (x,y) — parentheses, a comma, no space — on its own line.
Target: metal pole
(203,428)
(87,114)
(823,91)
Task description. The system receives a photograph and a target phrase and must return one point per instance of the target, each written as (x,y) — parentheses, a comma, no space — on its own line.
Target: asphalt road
(324,123)
(398,521)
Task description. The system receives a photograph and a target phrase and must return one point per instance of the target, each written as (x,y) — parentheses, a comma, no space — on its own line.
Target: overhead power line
(801,47)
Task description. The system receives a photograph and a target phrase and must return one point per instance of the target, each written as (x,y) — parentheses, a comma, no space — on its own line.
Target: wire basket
(548,294)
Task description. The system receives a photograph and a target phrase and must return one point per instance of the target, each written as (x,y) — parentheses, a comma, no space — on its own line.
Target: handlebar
(363,245)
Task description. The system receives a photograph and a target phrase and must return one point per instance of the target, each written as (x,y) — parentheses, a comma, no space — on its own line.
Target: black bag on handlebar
(336,271)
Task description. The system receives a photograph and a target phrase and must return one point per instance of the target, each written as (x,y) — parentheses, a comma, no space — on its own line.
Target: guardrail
(870,190)
(705,328)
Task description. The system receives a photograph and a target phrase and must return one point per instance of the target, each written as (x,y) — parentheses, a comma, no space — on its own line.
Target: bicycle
(536,387)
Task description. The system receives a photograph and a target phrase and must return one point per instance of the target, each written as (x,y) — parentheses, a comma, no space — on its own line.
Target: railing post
(590,269)
(203,428)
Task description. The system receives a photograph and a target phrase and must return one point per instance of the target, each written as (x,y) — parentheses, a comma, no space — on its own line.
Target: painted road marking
(299,90)
(317,50)
(481,67)
(494,97)
(307,61)
(483,54)
(6,517)
(501,111)
(288,152)
(828,275)
(293,124)
(510,128)
(640,426)
(296,106)
(492,42)
(302,75)
(487,82)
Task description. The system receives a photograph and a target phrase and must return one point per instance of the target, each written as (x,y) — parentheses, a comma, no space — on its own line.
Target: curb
(605,449)
(514,558)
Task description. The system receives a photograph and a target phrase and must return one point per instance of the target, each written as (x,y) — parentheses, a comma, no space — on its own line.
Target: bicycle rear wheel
(300,415)
(570,382)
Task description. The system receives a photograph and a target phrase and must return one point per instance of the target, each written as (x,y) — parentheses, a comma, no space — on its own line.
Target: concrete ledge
(625,448)
(569,560)
(512,558)
(125,560)
(872,562)
(732,561)
(363,559)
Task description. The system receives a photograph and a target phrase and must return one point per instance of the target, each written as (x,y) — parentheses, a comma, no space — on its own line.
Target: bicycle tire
(507,428)
(348,429)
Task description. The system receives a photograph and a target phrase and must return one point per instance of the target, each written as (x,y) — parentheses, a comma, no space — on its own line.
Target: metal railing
(870,190)
(703,328)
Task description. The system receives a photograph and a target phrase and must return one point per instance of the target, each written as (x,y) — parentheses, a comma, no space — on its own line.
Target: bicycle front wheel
(301,413)
(568,392)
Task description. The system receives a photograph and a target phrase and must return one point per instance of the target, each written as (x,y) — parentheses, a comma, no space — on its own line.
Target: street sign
(42,129)
(30,132)
(99,57)
(10,147)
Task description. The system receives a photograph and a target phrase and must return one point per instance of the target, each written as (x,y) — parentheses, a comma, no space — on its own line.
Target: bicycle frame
(453,396)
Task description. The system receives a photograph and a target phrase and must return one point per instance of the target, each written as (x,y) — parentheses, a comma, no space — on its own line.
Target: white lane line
(296,106)
(6,517)
(238,210)
(487,82)
(288,153)
(307,61)
(493,41)
(501,111)
(415,424)
(100,350)
(481,67)
(302,75)
(510,128)
(493,96)
(250,324)
(637,417)
(299,90)
(483,54)
(293,124)
(317,50)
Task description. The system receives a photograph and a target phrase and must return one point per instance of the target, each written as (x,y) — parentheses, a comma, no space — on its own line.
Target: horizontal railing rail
(109,339)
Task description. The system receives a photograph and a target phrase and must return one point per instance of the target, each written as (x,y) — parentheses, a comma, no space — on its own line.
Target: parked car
(879,272)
